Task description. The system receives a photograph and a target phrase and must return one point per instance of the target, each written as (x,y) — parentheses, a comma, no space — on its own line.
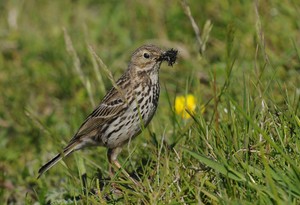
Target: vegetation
(240,60)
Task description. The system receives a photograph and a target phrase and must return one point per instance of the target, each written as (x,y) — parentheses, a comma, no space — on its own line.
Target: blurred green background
(251,58)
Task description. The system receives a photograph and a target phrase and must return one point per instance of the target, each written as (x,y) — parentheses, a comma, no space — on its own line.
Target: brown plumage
(126,108)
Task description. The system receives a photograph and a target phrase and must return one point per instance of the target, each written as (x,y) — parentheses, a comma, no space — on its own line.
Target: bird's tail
(68,150)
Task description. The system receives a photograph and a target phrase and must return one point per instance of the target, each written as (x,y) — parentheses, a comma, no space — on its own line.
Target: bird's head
(148,58)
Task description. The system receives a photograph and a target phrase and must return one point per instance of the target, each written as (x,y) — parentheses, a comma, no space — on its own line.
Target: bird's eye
(146,55)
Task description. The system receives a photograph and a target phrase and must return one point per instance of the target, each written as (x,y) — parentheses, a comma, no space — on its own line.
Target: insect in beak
(170,56)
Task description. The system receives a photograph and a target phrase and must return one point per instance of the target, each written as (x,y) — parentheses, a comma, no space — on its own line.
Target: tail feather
(68,150)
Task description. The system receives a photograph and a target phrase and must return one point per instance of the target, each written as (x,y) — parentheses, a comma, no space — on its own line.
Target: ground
(239,62)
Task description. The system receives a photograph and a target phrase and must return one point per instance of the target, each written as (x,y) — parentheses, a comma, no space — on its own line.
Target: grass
(240,59)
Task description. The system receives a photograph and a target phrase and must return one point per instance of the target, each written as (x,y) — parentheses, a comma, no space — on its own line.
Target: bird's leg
(112,155)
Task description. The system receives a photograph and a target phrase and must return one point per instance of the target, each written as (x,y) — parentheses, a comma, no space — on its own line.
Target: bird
(126,109)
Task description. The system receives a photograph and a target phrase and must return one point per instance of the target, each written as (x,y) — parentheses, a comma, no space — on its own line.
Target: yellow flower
(183,103)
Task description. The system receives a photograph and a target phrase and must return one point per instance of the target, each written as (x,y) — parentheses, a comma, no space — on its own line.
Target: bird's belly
(128,125)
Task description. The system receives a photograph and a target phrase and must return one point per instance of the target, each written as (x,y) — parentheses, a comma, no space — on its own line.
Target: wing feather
(112,105)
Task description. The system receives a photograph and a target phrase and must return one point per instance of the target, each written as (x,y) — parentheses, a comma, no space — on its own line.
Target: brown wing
(111,106)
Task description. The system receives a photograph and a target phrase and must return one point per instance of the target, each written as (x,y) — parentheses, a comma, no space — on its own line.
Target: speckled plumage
(124,110)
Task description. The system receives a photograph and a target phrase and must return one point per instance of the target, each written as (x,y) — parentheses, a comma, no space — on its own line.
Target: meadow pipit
(125,110)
